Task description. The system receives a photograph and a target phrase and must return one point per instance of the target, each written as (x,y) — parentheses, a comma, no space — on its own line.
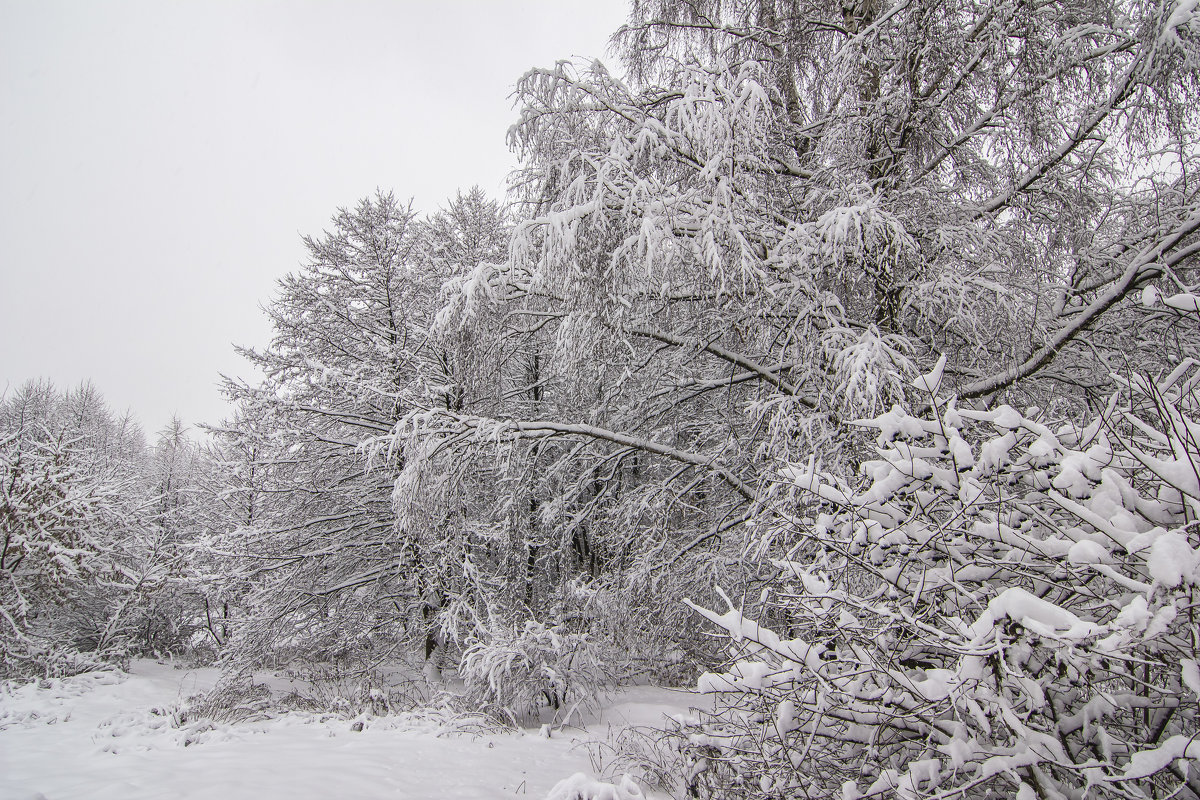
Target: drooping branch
(547,428)
(1141,268)
(770,376)
(1083,131)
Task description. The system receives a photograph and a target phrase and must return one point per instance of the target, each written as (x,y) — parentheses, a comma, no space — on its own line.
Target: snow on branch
(1000,603)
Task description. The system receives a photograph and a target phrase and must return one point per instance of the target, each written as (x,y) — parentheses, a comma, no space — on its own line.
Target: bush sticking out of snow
(1001,607)
(581,787)
(234,699)
(352,690)
(517,673)
(655,759)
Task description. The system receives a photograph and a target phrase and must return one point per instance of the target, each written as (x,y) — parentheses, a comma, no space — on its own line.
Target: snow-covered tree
(790,210)
(1002,607)
(985,180)
(70,502)
(158,609)
(237,501)
(332,563)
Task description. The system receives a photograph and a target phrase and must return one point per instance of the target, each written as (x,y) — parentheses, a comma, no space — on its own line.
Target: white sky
(159,162)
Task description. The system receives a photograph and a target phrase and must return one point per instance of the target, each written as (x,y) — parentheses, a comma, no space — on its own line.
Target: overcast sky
(159,162)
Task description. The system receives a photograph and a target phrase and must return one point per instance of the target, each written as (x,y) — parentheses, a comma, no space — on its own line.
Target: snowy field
(112,735)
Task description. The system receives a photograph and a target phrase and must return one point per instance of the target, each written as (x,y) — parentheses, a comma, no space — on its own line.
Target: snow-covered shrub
(351,690)
(639,634)
(236,698)
(661,763)
(517,672)
(1001,608)
(581,787)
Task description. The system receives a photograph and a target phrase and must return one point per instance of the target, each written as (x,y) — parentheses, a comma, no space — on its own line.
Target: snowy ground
(110,735)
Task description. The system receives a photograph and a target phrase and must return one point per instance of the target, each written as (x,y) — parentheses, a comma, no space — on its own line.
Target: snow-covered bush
(581,787)
(1002,608)
(517,672)
(660,759)
(638,631)
(235,698)
(351,690)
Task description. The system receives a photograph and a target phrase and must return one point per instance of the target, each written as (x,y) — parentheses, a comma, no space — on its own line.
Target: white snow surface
(105,735)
